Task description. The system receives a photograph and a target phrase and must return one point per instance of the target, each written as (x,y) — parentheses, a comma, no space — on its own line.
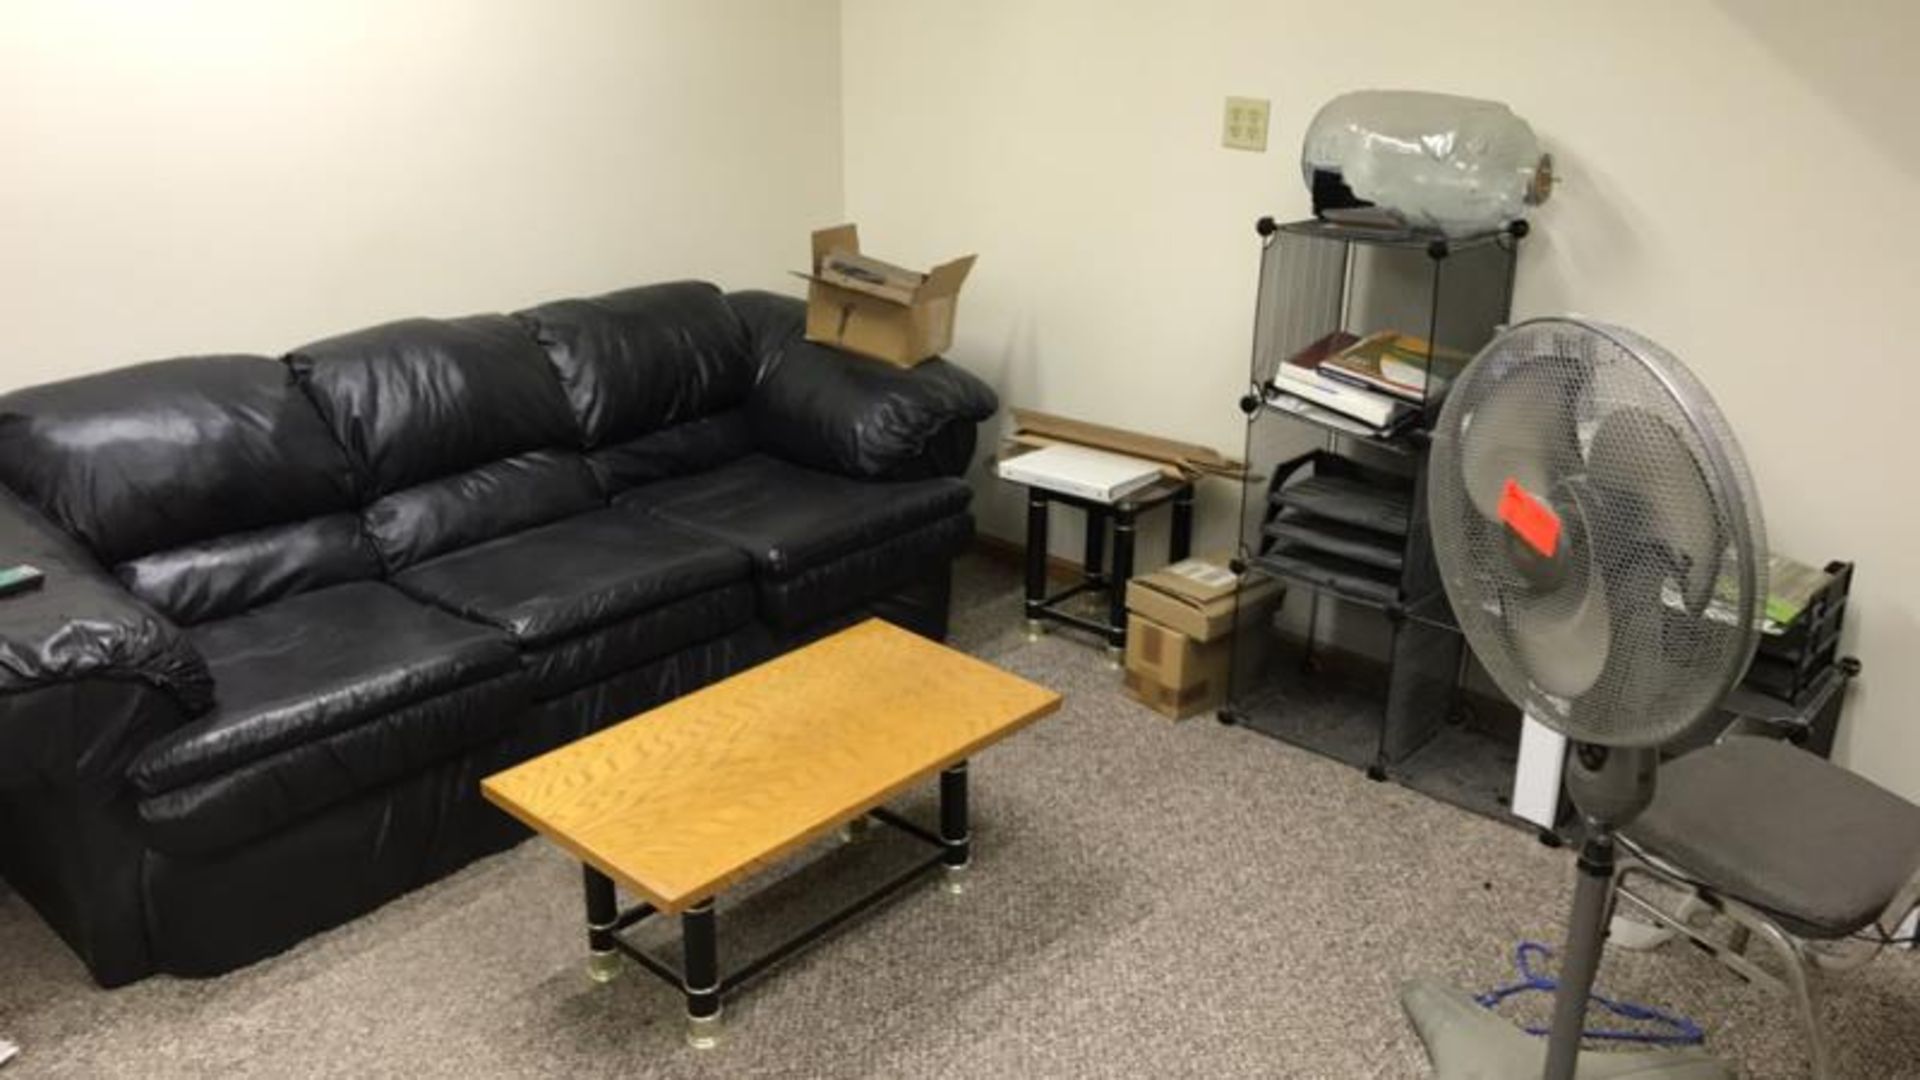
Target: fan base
(1467,1042)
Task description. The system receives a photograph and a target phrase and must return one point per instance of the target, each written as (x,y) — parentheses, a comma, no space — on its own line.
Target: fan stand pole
(1586,933)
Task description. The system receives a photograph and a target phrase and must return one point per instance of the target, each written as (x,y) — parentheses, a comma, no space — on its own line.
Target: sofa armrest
(88,673)
(817,406)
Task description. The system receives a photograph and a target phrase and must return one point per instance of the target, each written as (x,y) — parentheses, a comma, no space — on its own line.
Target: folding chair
(1790,847)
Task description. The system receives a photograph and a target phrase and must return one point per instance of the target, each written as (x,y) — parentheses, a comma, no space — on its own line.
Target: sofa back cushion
(209,484)
(458,426)
(656,377)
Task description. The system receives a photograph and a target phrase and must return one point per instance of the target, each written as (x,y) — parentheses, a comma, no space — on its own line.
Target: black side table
(1097,576)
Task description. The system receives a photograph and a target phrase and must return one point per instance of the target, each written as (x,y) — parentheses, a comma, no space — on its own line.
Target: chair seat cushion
(316,697)
(574,576)
(820,542)
(1766,823)
(789,518)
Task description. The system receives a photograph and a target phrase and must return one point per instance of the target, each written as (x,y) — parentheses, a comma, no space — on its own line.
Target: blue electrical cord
(1680,1030)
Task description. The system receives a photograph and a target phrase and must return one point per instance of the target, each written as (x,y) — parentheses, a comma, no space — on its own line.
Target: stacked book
(1373,385)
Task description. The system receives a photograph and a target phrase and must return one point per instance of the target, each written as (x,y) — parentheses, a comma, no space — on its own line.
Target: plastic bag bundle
(1458,165)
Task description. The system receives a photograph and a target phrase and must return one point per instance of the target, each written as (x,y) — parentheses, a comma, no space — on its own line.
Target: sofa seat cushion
(855,580)
(313,665)
(318,697)
(576,575)
(789,518)
(564,666)
(820,542)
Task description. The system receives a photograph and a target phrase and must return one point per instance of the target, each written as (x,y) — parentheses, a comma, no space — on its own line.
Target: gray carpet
(1148,899)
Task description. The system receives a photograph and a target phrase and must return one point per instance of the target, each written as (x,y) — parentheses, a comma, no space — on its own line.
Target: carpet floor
(1147,899)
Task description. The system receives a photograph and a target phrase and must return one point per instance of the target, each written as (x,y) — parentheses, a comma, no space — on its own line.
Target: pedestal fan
(1600,540)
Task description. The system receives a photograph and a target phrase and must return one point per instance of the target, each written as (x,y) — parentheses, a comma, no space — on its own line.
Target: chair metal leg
(1803,979)
(1803,964)
(1736,962)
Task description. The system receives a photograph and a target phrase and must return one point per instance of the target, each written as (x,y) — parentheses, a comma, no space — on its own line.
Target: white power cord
(7,1051)
(1636,936)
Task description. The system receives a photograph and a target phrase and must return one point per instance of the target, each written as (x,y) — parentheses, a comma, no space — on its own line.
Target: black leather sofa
(296,608)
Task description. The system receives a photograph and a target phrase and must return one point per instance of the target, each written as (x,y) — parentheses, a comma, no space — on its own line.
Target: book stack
(1373,385)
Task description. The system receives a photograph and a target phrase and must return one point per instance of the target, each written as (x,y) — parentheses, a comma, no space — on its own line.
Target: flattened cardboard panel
(1123,441)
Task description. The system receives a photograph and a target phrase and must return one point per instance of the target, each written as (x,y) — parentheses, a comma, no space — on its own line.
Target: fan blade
(1641,465)
(1520,432)
(1564,649)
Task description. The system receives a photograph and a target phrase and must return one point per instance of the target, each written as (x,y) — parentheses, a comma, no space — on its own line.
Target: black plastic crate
(1788,666)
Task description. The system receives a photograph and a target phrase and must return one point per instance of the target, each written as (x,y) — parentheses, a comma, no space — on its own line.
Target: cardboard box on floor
(877,309)
(1180,461)
(1180,623)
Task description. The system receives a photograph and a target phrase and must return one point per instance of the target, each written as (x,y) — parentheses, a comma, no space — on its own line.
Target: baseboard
(1014,554)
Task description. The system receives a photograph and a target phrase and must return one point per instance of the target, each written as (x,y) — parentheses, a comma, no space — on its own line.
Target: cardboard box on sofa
(1180,623)
(876,309)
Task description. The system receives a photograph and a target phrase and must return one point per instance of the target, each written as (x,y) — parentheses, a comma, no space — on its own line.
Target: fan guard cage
(1660,517)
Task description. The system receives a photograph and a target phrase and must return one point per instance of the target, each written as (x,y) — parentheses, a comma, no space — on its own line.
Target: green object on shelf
(1791,586)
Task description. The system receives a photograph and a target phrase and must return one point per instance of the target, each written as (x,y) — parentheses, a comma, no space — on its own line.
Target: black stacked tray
(1334,523)
(1797,683)
(1789,665)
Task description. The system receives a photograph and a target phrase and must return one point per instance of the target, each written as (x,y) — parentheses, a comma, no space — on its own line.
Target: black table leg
(1093,567)
(1180,536)
(1122,573)
(1036,560)
(700,966)
(603,961)
(954,831)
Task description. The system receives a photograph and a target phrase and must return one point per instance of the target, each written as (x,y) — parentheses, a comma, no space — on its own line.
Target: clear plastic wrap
(1432,161)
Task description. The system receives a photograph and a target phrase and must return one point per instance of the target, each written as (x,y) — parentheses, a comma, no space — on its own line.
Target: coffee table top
(679,802)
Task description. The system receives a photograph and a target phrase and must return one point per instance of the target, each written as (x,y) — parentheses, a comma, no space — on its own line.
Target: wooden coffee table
(678,803)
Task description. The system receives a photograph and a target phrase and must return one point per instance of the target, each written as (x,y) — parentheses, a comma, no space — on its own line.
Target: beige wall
(199,175)
(1075,146)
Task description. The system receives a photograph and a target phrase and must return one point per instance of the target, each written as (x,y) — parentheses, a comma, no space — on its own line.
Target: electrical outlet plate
(1246,124)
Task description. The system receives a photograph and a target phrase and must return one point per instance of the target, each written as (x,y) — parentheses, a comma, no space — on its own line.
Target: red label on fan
(1530,519)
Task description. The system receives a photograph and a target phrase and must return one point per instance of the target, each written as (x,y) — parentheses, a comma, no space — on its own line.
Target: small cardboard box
(1171,673)
(1180,641)
(876,309)
(1197,597)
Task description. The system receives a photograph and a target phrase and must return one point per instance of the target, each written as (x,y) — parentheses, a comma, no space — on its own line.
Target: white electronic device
(1098,475)
(1536,776)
